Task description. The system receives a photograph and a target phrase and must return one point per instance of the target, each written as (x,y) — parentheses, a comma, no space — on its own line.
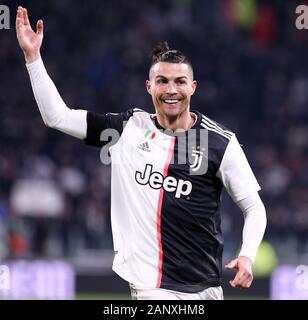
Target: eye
(161,81)
(181,81)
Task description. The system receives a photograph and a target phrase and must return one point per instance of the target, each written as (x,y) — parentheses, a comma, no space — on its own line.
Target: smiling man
(165,213)
(171,86)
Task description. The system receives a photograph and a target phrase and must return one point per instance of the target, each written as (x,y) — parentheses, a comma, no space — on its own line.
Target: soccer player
(165,211)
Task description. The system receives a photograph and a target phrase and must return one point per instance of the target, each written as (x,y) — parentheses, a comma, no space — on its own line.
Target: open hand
(29,41)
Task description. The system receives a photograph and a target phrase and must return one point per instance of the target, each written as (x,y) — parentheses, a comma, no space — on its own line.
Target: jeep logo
(170,184)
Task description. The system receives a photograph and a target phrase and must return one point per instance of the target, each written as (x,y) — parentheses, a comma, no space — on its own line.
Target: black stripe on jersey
(191,235)
(190,226)
(96,123)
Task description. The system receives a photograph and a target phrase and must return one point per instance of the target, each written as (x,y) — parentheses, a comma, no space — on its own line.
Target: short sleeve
(97,123)
(235,172)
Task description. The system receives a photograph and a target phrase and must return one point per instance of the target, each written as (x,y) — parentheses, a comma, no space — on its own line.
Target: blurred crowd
(250,62)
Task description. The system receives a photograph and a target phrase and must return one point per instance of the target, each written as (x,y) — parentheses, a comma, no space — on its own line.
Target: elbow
(49,124)
(55,121)
(263,212)
(46,123)
(260,211)
(52,124)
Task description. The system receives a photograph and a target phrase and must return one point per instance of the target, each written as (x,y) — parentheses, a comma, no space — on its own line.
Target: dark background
(250,62)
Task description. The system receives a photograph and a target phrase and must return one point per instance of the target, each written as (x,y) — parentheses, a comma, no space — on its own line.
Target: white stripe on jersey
(215,130)
(138,109)
(213,125)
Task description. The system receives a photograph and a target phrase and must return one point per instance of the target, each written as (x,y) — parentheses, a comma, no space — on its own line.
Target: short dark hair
(162,53)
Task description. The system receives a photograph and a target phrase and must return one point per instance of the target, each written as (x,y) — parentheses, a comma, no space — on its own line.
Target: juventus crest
(198,161)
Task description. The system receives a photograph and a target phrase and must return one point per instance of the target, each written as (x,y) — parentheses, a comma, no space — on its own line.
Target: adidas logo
(144,147)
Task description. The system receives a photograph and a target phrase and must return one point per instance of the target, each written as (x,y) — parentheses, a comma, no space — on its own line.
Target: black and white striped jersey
(165,197)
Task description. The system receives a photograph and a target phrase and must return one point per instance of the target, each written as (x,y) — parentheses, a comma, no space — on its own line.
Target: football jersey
(165,196)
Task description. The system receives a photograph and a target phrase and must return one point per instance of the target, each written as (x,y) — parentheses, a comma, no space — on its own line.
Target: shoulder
(133,112)
(218,138)
(114,116)
(139,117)
(97,122)
(130,113)
(215,129)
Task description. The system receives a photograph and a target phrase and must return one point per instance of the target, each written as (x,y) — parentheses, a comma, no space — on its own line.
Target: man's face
(171,85)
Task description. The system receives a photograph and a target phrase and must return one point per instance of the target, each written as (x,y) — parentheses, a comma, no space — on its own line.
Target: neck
(182,122)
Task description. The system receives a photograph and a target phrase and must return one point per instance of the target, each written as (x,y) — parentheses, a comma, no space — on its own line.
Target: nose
(171,88)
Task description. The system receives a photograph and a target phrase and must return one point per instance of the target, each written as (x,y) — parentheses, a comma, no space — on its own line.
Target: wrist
(246,258)
(32,57)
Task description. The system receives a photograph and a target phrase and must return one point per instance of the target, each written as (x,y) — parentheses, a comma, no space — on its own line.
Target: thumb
(39,27)
(232,264)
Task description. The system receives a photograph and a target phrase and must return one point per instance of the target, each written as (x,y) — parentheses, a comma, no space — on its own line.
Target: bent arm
(53,109)
(254,225)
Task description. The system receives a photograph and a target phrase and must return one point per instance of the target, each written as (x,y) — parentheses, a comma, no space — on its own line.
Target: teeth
(171,101)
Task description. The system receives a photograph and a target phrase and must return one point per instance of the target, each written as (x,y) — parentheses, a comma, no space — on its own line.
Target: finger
(20,12)
(19,21)
(239,278)
(26,18)
(18,26)
(236,284)
(247,282)
(39,27)
(242,280)
(19,16)
(231,265)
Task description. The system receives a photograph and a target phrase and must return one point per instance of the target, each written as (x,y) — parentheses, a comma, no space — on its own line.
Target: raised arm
(53,109)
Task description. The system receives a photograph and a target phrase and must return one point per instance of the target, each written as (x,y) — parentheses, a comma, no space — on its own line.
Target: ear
(193,87)
(148,86)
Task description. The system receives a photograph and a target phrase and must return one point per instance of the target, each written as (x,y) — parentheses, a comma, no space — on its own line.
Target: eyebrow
(177,78)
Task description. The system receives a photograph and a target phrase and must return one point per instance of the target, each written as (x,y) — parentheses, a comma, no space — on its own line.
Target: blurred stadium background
(250,61)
